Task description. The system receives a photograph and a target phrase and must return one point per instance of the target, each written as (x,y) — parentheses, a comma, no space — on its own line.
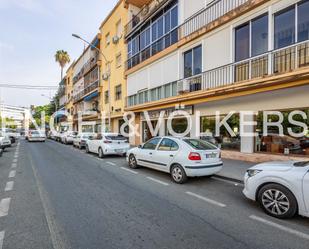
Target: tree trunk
(61,74)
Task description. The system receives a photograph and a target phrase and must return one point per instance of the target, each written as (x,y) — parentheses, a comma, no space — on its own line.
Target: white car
(67,137)
(36,136)
(81,139)
(181,157)
(281,188)
(108,144)
(5,141)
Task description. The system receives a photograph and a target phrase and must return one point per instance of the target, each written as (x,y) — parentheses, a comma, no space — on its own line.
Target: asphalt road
(64,198)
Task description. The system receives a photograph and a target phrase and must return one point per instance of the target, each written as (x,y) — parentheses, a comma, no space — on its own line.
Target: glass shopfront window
(179,126)
(225,140)
(286,144)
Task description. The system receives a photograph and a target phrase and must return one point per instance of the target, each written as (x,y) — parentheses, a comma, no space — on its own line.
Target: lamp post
(108,64)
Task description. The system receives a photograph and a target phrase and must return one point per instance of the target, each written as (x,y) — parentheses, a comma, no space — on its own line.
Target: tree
(63,58)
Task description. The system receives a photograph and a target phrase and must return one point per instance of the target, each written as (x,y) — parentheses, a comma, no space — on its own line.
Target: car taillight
(107,142)
(193,156)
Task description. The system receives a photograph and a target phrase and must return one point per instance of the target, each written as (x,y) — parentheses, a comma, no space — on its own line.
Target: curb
(229,179)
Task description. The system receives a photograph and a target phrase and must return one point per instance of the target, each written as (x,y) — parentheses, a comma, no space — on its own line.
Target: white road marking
(9,186)
(157,181)
(227,181)
(12,174)
(129,170)
(2,233)
(14,165)
(15,161)
(219,204)
(110,163)
(16,156)
(281,227)
(4,206)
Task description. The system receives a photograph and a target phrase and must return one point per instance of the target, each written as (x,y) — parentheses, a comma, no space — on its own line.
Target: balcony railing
(144,13)
(85,91)
(199,20)
(275,62)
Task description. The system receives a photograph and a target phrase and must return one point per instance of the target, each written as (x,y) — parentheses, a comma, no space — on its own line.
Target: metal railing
(85,91)
(274,62)
(211,13)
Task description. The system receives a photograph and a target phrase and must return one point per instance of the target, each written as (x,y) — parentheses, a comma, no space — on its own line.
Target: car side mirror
(140,146)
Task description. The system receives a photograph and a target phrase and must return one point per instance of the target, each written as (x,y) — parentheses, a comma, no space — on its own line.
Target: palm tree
(63,58)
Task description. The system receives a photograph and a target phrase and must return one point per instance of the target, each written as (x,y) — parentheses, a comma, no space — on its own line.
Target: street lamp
(108,64)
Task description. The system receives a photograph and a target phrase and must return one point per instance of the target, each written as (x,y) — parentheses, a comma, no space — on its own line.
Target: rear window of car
(301,164)
(35,132)
(199,144)
(116,137)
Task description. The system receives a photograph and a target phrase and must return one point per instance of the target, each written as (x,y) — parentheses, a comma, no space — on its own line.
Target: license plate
(119,151)
(213,155)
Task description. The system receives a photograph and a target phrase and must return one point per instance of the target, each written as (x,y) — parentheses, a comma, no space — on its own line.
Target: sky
(32,31)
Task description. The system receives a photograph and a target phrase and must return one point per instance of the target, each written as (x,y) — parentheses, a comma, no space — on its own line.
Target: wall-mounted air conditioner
(115,39)
(183,86)
(105,76)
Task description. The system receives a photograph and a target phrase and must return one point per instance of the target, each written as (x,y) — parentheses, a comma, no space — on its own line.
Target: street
(64,198)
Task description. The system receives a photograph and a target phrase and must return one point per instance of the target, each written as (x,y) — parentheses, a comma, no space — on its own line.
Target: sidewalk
(234,169)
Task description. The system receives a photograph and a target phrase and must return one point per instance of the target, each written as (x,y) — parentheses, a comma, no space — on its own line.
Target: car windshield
(35,133)
(301,164)
(200,144)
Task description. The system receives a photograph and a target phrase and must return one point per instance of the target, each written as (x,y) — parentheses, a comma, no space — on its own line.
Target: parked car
(181,157)
(67,137)
(5,141)
(11,133)
(1,152)
(36,136)
(81,139)
(108,144)
(281,188)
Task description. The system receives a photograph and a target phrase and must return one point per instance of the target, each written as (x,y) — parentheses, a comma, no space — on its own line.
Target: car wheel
(132,162)
(178,174)
(124,155)
(277,201)
(87,149)
(101,153)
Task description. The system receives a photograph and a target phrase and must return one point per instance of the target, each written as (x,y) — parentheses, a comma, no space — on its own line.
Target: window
(118,29)
(152,144)
(106,97)
(118,60)
(259,44)
(174,17)
(145,39)
(193,62)
(200,144)
(107,39)
(167,91)
(168,145)
(242,42)
(118,92)
(284,28)
(303,21)
(257,41)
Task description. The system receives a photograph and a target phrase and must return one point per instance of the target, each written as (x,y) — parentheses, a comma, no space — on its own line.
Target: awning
(91,96)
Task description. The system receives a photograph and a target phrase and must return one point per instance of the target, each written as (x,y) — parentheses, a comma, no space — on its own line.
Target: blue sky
(31,32)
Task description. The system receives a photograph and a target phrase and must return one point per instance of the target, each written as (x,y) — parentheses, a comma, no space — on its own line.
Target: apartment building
(112,68)
(222,55)
(87,89)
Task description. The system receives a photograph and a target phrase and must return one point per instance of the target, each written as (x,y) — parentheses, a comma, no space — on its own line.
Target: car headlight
(253,172)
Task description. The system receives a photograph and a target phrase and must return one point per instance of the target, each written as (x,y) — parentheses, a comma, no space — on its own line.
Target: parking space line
(219,204)
(280,227)
(2,233)
(15,160)
(157,181)
(4,206)
(111,163)
(12,173)
(129,170)
(14,165)
(9,186)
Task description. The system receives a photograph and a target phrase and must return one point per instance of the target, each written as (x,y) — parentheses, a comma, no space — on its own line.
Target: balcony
(276,62)
(85,91)
(147,9)
(202,19)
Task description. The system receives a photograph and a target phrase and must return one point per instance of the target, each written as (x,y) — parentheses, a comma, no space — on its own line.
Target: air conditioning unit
(183,86)
(145,10)
(115,39)
(105,76)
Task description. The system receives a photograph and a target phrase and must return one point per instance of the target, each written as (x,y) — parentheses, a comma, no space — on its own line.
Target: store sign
(167,112)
